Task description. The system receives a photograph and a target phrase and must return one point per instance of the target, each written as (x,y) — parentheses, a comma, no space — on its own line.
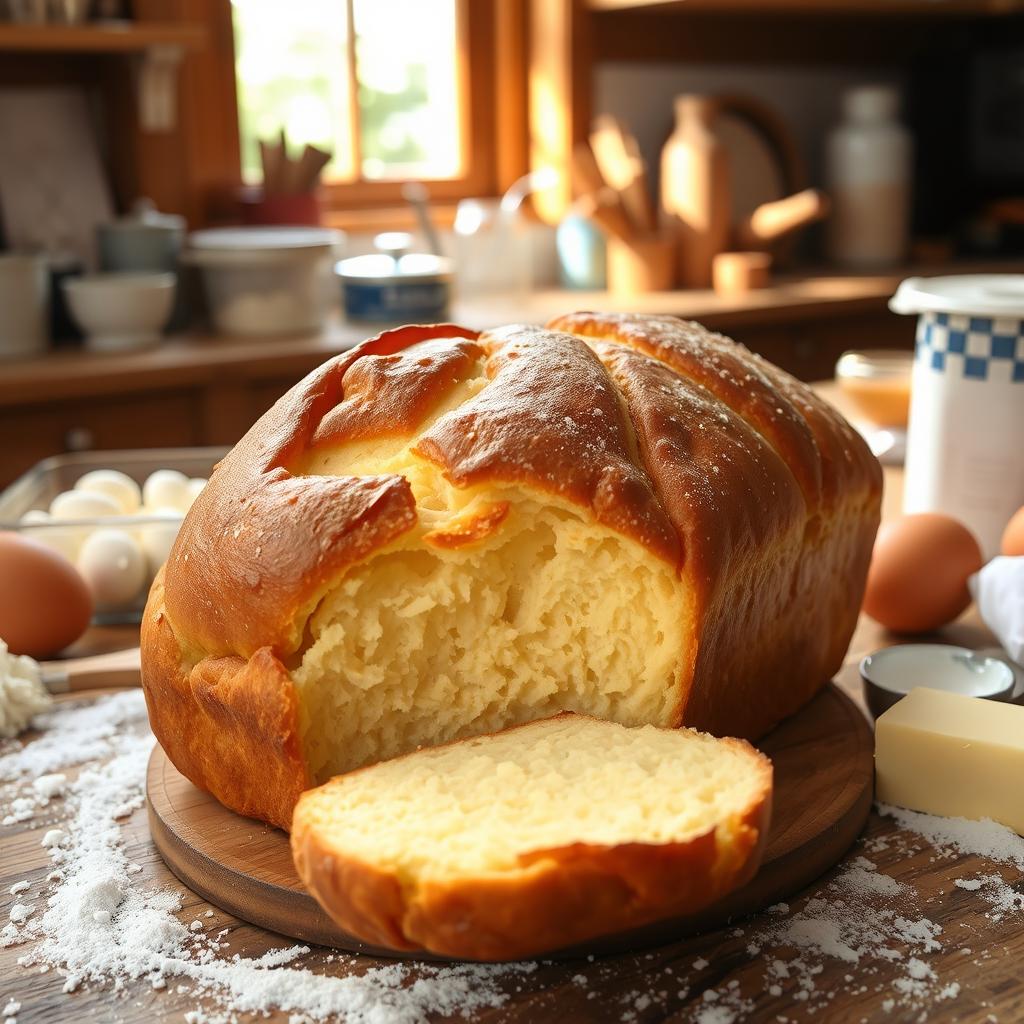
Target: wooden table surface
(665,984)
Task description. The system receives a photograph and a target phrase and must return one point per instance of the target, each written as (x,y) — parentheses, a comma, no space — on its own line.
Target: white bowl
(891,673)
(120,311)
(267,280)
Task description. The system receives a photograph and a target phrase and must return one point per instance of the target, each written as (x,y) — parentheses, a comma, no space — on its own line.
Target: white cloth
(999,591)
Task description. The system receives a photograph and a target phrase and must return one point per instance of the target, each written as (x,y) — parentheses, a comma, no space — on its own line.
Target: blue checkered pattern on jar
(973,347)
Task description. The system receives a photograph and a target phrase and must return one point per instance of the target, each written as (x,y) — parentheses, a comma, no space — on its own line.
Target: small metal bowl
(891,673)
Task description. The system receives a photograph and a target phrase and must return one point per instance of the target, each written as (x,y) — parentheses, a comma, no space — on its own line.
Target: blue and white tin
(965,438)
(395,289)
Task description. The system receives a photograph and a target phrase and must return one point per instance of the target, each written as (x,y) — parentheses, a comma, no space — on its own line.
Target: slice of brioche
(534,838)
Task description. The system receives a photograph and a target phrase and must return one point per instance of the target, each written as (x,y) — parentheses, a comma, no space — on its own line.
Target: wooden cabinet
(156,419)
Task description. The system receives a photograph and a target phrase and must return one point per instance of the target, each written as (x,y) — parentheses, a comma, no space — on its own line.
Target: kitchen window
(396,89)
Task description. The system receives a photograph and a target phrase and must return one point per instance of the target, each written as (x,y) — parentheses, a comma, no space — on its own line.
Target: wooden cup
(640,265)
(735,273)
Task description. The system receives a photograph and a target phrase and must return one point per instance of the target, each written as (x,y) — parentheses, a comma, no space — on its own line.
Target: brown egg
(919,570)
(1013,535)
(44,603)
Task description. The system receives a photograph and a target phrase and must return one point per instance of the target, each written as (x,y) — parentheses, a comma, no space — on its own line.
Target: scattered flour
(864,918)
(100,927)
(49,786)
(96,924)
(959,836)
(970,884)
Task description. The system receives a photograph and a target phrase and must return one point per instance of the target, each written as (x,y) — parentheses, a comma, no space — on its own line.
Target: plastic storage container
(36,489)
(267,280)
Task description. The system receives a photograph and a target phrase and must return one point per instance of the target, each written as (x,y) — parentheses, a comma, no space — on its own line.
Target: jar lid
(420,267)
(971,294)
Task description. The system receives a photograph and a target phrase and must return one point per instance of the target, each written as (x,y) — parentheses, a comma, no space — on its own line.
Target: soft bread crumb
(546,613)
(481,805)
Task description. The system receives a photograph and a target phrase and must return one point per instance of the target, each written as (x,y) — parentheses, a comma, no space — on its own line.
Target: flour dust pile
(92,923)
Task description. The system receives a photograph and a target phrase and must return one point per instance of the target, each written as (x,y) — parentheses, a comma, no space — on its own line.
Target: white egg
(157,538)
(114,484)
(195,485)
(65,540)
(114,567)
(166,488)
(83,505)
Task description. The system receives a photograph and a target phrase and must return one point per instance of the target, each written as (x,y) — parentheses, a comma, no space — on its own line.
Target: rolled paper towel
(998,589)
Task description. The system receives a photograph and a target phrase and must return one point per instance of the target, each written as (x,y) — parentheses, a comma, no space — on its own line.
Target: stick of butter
(960,757)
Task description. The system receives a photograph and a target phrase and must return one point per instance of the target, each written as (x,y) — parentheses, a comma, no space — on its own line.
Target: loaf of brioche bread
(441,534)
(534,839)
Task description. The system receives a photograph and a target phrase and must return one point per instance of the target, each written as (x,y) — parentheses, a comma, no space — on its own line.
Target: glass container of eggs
(113,514)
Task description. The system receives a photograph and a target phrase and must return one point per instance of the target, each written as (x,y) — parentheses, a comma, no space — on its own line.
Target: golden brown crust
(557,898)
(780,587)
(550,418)
(725,489)
(262,542)
(469,529)
(388,396)
(724,368)
(229,725)
(759,495)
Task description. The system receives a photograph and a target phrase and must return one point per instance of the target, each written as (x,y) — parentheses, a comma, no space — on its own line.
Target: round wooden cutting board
(823,788)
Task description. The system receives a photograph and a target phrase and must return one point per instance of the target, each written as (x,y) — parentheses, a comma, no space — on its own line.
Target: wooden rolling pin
(771,221)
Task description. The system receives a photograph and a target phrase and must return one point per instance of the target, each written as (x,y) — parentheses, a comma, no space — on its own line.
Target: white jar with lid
(965,438)
(869,172)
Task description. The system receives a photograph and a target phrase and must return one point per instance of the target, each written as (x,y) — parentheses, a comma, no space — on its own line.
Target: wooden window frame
(490,55)
(195,169)
(475,47)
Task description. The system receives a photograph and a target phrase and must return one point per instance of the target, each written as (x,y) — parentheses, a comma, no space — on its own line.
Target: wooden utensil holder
(640,265)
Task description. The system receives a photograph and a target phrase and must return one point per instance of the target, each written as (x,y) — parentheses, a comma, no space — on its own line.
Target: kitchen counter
(200,357)
(974,977)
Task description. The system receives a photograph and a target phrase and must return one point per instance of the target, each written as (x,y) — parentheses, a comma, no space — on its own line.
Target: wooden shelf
(111,37)
(823,8)
(158,47)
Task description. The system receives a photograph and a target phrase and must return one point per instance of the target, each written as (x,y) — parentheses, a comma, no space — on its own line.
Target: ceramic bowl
(120,311)
(891,673)
(266,280)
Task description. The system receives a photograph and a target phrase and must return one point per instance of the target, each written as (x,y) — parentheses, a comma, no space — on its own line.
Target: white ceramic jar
(869,173)
(965,438)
